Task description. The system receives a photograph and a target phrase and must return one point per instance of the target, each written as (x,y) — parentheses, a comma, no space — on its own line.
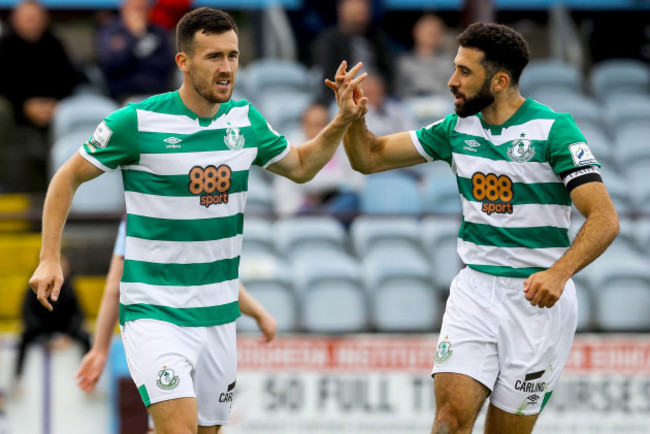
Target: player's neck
(502,108)
(196,103)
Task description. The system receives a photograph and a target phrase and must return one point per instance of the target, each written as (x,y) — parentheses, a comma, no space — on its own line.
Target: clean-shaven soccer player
(185,158)
(512,312)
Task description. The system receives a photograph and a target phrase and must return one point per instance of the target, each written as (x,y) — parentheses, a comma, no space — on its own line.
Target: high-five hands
(349,95)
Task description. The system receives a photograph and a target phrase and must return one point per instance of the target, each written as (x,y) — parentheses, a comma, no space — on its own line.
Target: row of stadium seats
(392,274)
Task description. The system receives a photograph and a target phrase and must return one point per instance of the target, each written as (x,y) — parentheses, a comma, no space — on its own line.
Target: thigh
(534,345)
(161,358)
(459,399)
(175,416)
(215,376)
(498,421)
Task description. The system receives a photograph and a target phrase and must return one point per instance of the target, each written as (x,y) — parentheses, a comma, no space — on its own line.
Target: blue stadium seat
(267,279)
(586,302)
(259,199)
(619,77)
(104,194)
(585,110)
(304,236)
(549,75)
(331,294)
(425,110)
(623,113)
(276,75)
(632,145)
(619,190)
(81,112)
(390,193)
(439,240)
(258,237)
(400,285)
(283,109)
(440,195)
(372,233)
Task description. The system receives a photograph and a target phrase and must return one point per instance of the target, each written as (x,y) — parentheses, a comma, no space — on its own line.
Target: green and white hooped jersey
(514,181)
(186,184)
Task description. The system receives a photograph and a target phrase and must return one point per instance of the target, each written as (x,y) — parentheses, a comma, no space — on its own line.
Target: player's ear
(183,61)
(500,81)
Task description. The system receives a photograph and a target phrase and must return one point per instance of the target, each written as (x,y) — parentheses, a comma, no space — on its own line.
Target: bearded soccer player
(511,315)
(185,158)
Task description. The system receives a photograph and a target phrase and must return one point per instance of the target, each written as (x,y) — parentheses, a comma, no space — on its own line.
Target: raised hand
(349,96)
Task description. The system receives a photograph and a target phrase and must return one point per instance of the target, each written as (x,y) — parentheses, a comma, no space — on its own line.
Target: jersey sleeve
(114,142)
(567,147)
(432,141)
(272,146)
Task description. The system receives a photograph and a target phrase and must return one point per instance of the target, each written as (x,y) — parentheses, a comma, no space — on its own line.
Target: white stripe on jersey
(418,146)
(180,296)
(149,121)
(94,161)
(537,129)
(182,252)
(516,257)
(529,172)
(182,162)
(523,216)
(181,208)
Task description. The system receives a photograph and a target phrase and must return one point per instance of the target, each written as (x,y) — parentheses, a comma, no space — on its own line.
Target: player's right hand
(46,282)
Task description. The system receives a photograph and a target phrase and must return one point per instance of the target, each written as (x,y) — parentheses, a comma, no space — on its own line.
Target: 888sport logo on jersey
(495,191)
(211,184)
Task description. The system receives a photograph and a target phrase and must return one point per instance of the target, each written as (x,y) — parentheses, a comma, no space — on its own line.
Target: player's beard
(483,98)
(207,92)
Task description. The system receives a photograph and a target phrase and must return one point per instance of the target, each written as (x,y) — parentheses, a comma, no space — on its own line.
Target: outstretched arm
(94,361)
(253,308)
(303,162)
(601,226)
(367,152)
(48,278)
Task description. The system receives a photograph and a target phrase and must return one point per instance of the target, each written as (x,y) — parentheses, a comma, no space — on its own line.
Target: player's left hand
(544,289)
(349,96)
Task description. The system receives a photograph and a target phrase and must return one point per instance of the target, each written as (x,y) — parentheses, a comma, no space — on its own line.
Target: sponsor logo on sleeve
(101,136)
(581,154)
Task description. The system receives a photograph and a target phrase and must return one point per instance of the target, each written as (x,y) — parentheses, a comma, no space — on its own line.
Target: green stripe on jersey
(547,193)
(151,228)
(180,274)
(506,271)
(175,185)
(531,238)
(185,317)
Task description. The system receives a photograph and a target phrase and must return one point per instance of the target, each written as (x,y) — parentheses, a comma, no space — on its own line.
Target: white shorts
(491,333)
(168,362)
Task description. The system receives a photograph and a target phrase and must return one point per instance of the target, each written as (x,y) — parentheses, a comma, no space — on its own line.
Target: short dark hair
(205,20)
(504,48)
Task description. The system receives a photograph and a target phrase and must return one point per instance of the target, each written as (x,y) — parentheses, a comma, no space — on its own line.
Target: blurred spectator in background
(135,56)
(66,319)
(167,13)
(6,133)
(425,69)
(385,114)
(334,190)
(36,74)
(354,39)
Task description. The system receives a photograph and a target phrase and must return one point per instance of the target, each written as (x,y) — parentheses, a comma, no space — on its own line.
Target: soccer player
(94,361)
(512,311)
(185,157)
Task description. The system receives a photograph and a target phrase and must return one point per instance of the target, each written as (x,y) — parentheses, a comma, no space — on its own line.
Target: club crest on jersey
(234,138)
(167,379)
(443,352)
(521,150)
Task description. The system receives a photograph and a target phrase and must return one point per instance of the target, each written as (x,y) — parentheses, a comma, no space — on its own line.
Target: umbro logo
(471,145)
(173,142)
